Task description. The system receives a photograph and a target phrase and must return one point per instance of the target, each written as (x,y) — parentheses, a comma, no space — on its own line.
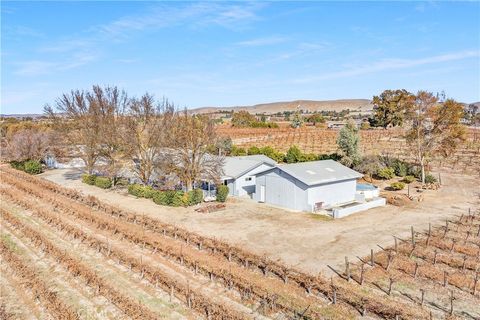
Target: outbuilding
(307,186)
(239,173)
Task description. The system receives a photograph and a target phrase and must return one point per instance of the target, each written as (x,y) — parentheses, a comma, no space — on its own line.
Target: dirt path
(300,239)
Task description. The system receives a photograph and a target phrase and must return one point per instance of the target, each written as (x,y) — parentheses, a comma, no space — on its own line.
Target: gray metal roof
(235,167)
(318,172)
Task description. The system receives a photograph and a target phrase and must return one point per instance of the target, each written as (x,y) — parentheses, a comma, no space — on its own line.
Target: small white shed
(307,186)
(239,173)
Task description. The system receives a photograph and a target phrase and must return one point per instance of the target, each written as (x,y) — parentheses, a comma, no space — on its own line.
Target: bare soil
(309,242)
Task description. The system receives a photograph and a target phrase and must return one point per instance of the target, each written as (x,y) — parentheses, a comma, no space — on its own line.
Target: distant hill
(363,105)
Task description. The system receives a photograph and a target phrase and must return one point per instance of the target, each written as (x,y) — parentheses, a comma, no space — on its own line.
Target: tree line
(111,131)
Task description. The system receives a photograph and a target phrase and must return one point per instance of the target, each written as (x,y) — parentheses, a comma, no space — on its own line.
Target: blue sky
(238,53)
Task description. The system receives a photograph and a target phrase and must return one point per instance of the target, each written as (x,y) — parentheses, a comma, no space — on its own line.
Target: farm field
(105,236)
(385,142)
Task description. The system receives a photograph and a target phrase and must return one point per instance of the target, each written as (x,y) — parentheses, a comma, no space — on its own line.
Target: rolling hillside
(363,105)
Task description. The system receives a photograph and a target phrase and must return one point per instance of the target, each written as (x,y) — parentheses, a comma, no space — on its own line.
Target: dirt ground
(306,241)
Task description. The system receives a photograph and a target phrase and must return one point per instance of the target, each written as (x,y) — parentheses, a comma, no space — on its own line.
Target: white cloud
(391,64)
(39,67)
(159,16)
(258,42)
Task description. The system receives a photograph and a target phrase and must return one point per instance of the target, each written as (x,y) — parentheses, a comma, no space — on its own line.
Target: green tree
(392,107)
(435,128)
(294,155)
(316,118)
(297,121)
(348,142)
(243,119)
(253,150)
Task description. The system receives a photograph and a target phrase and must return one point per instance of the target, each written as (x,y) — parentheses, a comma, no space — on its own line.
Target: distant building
(239,173)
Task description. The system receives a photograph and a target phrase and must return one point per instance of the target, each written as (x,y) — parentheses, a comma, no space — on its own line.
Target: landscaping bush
(103,182)
(400,168)
(148,192)
(429,178)
(195,197)
(178,199)
(160,198)
(19,165)
(415,171)
(33,167)
(141,191)
(135,190)
(222,193)
(408,179)
(397,186)
(386,173)
(89,179)
(122,182)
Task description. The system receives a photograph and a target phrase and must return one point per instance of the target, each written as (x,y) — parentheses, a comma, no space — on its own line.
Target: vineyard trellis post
(347,269)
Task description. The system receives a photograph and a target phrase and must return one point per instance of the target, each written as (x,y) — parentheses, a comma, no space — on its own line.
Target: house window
(248,179)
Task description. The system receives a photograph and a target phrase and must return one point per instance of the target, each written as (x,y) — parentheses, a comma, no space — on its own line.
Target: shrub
(33,167)
(386,173)
(135,190)
(237,151)
(103,182)
(332,156)
(122,182)
(253,150)
(222,193)
(89,179)
(148,192)
(400,168)
(415,171)
(408,179)
(293,155)
(19,165)
(160,198)
(178,199)
(429,178)
(195,197)
(397,186)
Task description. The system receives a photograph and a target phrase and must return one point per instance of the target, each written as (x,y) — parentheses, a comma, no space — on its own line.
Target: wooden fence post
(413,237)
(372,262)
(362,274)
(347,268)
(451,302)
(390,286)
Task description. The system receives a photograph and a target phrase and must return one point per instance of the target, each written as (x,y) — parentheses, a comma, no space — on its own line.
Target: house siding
(333,193)
(285,191)
(244,187)
(282,190)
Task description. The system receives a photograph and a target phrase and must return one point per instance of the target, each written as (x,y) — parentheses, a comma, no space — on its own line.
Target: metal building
(307,186)
(239,173)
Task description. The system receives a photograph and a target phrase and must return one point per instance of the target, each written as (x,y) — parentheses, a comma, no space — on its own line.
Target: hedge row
(28,166)
(171,198)
(93,180)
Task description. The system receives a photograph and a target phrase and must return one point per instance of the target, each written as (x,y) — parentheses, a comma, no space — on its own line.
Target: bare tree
(435,128)
(111,104)
(29,144)
(147,133)
(78,121)
(191,135)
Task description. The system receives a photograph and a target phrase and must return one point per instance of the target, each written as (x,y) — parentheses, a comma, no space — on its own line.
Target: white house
(239,173)
(311,186)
